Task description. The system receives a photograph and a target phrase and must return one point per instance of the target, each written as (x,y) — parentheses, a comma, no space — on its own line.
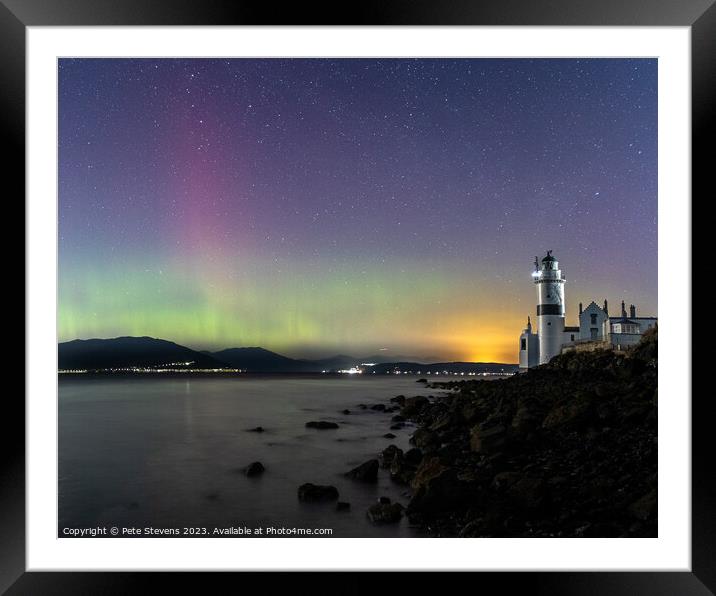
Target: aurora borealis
(315,207)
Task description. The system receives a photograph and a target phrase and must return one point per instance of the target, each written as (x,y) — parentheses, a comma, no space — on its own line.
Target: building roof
(549,257)
(631,319)
(625,321)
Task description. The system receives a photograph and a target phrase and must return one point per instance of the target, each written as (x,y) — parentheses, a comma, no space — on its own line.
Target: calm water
(167,452)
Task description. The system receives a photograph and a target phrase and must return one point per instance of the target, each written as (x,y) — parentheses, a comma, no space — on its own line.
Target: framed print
(382,295)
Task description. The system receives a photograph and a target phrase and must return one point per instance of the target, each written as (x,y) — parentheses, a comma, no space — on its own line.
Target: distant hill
(261,360)
(124,352)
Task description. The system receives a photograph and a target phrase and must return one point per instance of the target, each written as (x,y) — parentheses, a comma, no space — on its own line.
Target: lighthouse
(550,306)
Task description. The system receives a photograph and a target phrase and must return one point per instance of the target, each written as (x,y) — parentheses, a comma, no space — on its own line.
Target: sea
(164,455)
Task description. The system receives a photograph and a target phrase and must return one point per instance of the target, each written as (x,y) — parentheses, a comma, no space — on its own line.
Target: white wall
(585,321)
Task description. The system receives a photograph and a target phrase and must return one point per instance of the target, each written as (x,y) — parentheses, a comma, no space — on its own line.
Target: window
(571,337)
(523,344)
(593,319)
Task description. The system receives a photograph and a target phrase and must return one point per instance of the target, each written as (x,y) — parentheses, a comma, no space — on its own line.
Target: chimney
(632,312)
(606,308)
(623,310)
(580,308)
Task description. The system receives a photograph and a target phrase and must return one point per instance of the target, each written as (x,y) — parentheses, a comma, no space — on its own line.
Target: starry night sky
(314,206)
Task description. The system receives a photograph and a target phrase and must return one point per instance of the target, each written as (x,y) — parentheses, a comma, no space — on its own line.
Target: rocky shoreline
(568,449)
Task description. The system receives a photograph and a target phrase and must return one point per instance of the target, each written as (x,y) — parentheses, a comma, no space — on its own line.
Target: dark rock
(398,418)
(384,500)
(362,406)
(346,411)
(569,413)
(443,422)
(388,436)
(421,381)
(413,405)
(254,469)
(316,492)
(342,506)
(524,420)
(366,472)
(413,457)
(258,429)
(381,513)
(436,487)
(645,507)
(504,480)
(473,529)
(425,439)
(397,426)
(321,424)
(430,468)
(487,440)
(529,492)
(402,471)
(398,399)
(389,454)
(378,407)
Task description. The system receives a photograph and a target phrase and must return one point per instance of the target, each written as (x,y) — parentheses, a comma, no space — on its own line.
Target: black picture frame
(700,15)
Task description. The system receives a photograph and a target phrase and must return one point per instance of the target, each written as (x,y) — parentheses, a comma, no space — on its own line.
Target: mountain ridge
(146,351)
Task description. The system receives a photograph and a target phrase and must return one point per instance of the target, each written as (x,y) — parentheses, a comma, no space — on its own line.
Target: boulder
(254,469)
(385,513)
(413,457)
(443,422)
(321,424)
(401,470)
(366,472)
(378,407)
(413,405)
(312,493)
(645,507)
(430,468)
(487,440)
(504,480)
(398,418)
(529,492)
(425,439)
(388,436)
(436,488)
(258,429)
(571,413)
(389,454)
(524,420)
(346,412)
(398,399)
(342,506)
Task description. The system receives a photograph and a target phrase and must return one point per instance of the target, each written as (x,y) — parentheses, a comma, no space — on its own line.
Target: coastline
(568,449)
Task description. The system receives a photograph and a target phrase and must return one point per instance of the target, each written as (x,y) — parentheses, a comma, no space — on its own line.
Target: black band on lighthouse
(549,309)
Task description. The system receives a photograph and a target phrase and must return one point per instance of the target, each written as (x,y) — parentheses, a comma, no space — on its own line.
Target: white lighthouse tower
(550,307)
